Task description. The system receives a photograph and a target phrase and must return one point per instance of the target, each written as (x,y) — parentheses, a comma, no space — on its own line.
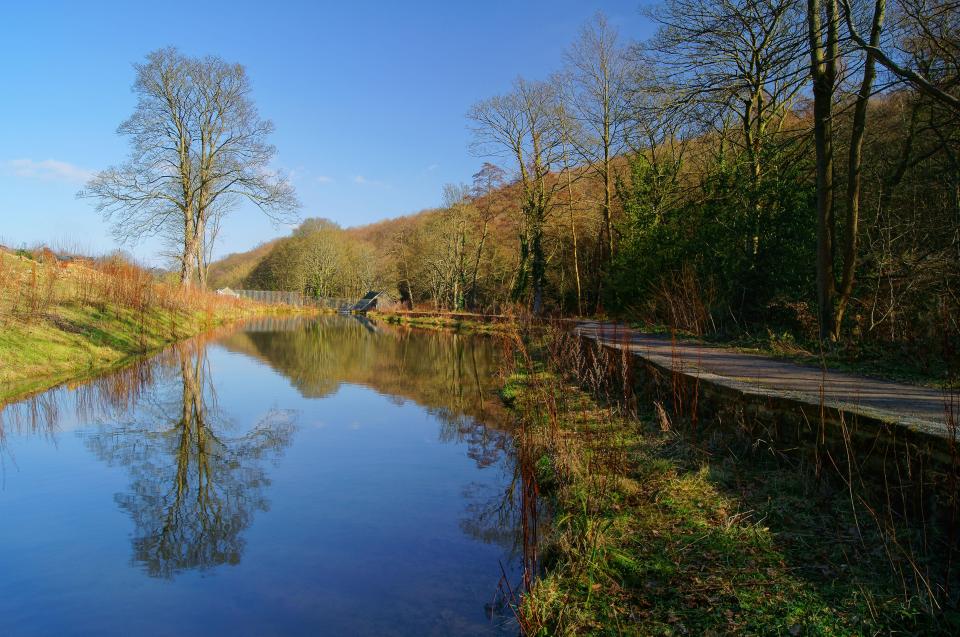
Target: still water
(321,477)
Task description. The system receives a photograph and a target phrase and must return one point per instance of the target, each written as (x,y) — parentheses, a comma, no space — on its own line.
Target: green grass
(75,341)
(441,322)
(70,336)
(654,535)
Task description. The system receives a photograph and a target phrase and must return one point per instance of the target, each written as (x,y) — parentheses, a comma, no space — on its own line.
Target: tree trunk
(188,258)
(519,288)
(538,268)
(201,252)
(752,142)
(573,231)
(476,264)
(823,72)
(607,198)
(854,173)
(576,261)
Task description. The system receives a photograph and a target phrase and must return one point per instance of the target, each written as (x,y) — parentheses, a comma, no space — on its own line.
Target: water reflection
(448,373)
(454,376)
(195,483)
(451,375)
(109,396)
(203,450)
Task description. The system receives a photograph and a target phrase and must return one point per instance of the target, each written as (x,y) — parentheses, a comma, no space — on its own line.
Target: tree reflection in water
(452,376)
(195,485)
(197,480)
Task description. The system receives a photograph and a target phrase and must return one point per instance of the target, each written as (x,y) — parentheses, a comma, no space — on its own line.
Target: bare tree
(823,30)
(730,61)
(568,171)
(525,125)
(198,147)
(455,215)
(823,34)
(855,169)
(487,184)
(926,24)
(597,74)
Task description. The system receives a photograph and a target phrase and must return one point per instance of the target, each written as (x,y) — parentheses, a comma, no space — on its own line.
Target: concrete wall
(914,471)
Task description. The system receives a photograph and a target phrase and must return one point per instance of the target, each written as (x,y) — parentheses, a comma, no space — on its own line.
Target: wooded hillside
(754,166)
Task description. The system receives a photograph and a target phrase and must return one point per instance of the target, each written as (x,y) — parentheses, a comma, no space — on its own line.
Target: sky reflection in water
(329,477)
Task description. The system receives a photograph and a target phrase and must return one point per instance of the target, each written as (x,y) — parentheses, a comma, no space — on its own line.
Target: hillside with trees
(752,166)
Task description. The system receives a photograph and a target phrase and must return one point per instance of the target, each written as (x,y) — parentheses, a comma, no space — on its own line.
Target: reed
(666,521)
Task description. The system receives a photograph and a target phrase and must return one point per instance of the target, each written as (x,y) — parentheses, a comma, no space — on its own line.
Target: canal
(329,476)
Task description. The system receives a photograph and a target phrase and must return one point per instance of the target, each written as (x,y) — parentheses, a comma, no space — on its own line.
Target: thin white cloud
(47,170)
(360,180)
(432,167)
(324,179)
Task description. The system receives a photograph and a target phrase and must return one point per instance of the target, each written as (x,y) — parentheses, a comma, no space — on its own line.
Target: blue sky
(368,98)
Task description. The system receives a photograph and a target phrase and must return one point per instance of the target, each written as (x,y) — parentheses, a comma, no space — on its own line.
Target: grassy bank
(67,320)
(458,322)
(655,534)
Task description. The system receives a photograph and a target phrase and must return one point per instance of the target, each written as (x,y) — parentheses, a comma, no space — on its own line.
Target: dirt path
(909,405)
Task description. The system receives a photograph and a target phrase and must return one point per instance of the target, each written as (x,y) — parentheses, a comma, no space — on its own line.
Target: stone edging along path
(920,409)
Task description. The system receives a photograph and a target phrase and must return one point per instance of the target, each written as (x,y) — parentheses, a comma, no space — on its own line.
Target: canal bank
(67,321)
(667,524)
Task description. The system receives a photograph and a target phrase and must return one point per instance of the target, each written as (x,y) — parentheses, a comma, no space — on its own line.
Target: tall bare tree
(730,61)
(597,73)
(456,216)
(569,167)
(823,33)
(486,190)
(826,55)
(855,168)
(525,125)
(198,147)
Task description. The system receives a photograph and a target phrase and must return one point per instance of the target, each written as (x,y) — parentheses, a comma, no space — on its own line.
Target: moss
(652,534)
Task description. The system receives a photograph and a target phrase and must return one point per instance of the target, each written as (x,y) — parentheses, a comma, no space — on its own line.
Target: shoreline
(453,321)
(657,521)
(67,352)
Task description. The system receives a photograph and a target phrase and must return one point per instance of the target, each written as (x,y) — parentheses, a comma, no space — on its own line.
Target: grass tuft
(655,534)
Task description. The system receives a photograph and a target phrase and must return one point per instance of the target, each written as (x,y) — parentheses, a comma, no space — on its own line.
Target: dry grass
(61,318)
(34,281)
(663,527)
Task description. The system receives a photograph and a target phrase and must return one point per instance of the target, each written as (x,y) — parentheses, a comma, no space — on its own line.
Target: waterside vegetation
(69,317)
(752,168)
(663,526)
